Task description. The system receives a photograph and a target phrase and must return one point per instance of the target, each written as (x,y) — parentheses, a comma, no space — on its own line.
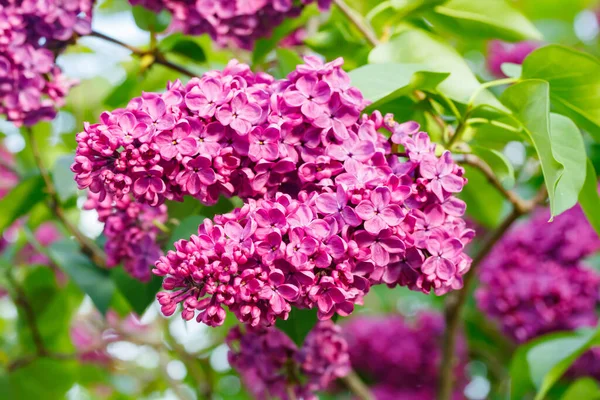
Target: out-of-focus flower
(500,52)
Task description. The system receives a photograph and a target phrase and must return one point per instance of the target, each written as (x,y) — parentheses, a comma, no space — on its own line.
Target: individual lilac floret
(500,52)
(230,22)
(131,233)
(401,358)
(271,365)
(32,87)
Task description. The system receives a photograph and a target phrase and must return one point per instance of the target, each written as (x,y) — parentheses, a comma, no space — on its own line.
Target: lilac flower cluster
(329,209)
(500,52)
(272,366)
(31,85)
(131,233)
(229,22)
(534,280)
(401,359)
(91,334)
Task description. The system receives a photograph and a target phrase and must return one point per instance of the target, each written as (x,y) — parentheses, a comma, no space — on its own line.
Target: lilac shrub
(271,365)
(500,52)
(401,359)
(32,86)
(329,209)
(238,23)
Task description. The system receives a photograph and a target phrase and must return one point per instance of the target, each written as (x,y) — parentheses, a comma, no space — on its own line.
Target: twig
(88,247)
(357,386)
(456,301)
(518,203)
(358,22)
(158,57)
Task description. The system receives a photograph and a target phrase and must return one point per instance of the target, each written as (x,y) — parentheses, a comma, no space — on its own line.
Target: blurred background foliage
(167,358)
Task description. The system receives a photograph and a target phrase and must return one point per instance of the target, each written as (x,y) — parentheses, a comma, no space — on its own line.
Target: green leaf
(185,229)
(298,324)
(263,47)
(589,199)
(484,203)
(382,83)
(574,79)
(150,21)
(93,281)
(499,164)
(489,19)
(122,93)
(557,140)
(138,294)
(512,70)
(389,13)
(550,359)
(42,379)
(287,61)
(584,388)
(21,200)
(62,176)
(179,44)
(415,46)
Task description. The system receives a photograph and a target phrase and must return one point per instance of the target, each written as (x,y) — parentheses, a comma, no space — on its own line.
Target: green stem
(486,85)
(495,123)
(358,22)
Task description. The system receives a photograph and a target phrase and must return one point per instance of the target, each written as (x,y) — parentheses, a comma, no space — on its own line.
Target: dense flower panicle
(500,52)
(32,87)
(329,209)
(131,233)
(402,359)
(229,22)
(271,364)
(91,334)
(534,280)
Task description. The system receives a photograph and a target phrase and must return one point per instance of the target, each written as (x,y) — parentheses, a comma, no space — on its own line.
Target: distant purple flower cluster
(31,85)
(535,282)
(271,365)
(401,359)
(500,52)
(229,22)
(329,209)
(131,233)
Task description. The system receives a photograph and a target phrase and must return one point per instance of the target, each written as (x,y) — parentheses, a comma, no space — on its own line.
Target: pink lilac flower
(401,358)
(302,237)
(131,233)
(271,365)
(229,22)
(32,86)
(536,281)
(500,52)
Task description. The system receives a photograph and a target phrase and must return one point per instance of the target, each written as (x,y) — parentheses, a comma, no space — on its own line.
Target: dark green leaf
(42,379)
(499,164)
(185,229)
(574,79)
(21,200)
(150,21)
(181,45)
(415,46)
(138,294)
(382,83)
(299,323)
(122,93)
(65,185)
(556,139)
(489,19)
(589,199)
(92,280)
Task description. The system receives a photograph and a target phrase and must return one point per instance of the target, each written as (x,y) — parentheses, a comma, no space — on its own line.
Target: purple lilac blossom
(401,358)
(500,52)
(32,86)
(131,233)
(536,281)
(230,22)
(271,365)
(265,141)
